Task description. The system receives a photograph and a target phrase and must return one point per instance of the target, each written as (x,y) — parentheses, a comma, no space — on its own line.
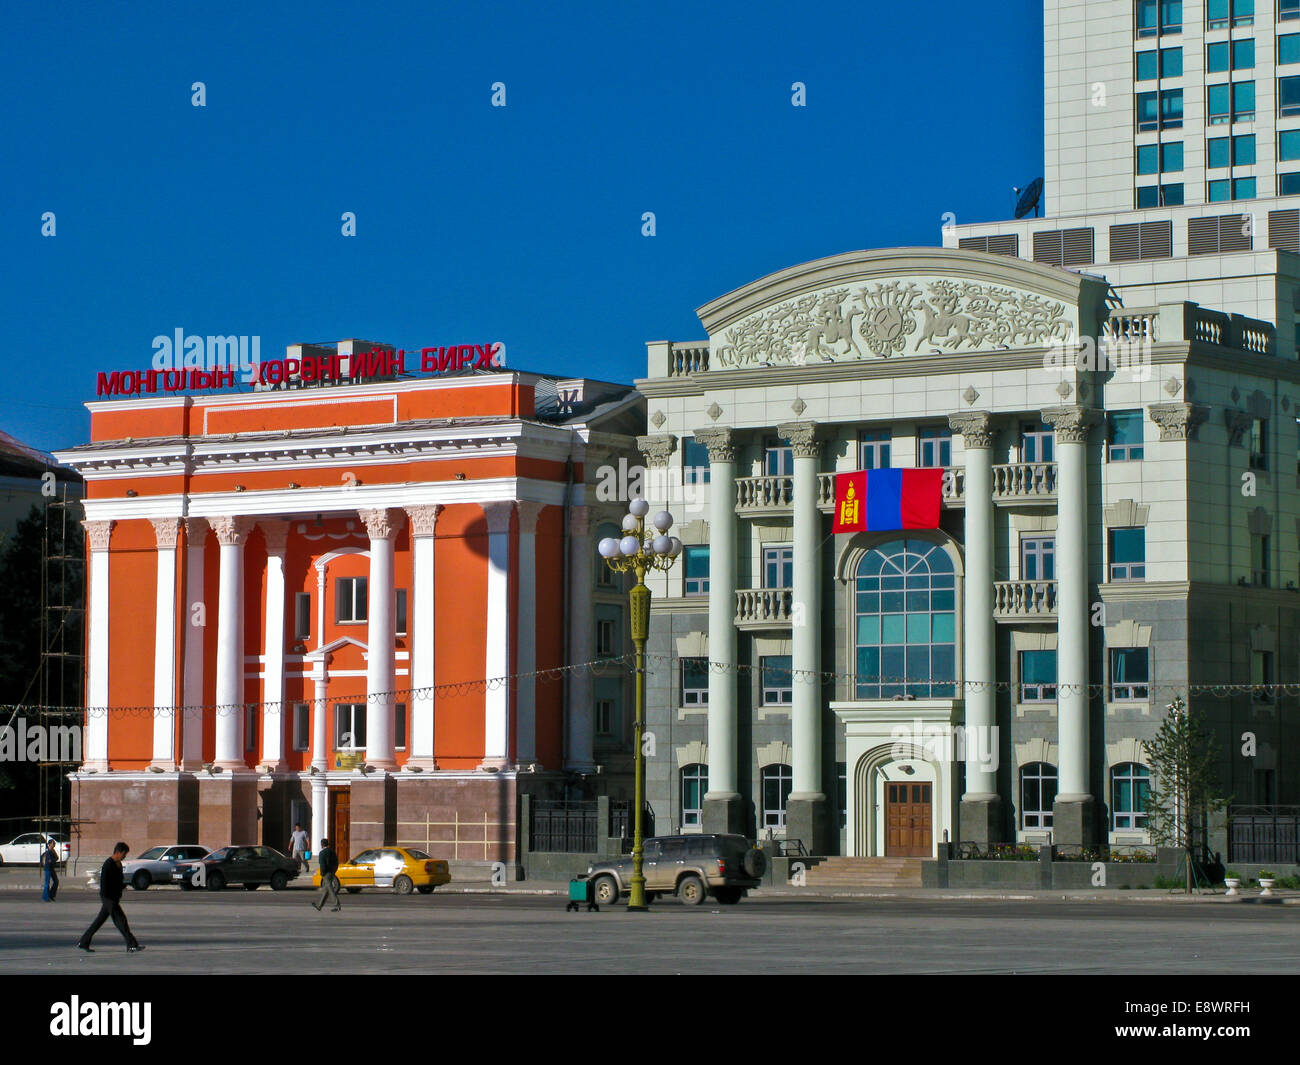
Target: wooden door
(908,820)
(340,820)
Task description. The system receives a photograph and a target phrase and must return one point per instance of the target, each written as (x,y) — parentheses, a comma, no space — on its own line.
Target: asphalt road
(262,932)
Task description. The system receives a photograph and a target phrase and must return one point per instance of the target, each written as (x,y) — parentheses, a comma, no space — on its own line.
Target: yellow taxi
(402,869)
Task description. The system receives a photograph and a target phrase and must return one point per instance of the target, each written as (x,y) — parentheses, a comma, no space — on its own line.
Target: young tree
(1185,790)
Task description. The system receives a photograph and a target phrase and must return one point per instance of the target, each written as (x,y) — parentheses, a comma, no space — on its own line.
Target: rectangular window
(873,450)
(1288,144)
(349,726)
(1171,62)
(399,726)
(1036,442)
(1243,188)
(1220,14)
(695,681)
(1288,95)
(1218,57)
(302,615)
(1160,110)
(1259,443)
(1125,435)
(934,446)
(1259,553)
(1218,191)
(1037,676)
(350,602)
(1261,676)
(1148,196)
(1288,9)
(1243,54)
(302,726)
(1129,674)
(400,620)
(250,728)
(777,683)
(1146,66)
(1218,152)
(1171,157)
(1218,104)
(1128,554)
(1155,17)
(778,459)
(607,636)
(1148,159)
(605,717)
(697,570)
(1288,48)
(778,567)
(1038,558)
(1171,195)
(1243,150)
(695,462)
(1288,184)
(1243,101)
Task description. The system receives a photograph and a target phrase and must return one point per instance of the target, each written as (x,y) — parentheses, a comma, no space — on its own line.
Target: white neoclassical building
(992,679)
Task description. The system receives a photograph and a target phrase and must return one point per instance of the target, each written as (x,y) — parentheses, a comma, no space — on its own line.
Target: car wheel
(691,890)
(754,863)
(403,885)
(605,891)
(352,890)
(141,881)
(425,889)
(728,896)
(216,881)
(279,880)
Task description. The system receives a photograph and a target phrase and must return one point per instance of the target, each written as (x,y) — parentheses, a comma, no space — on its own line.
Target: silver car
(156,865)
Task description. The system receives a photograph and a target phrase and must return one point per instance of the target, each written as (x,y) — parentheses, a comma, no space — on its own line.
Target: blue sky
(519,224)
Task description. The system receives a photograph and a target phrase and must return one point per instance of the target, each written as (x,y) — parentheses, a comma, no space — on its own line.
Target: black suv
(690,867)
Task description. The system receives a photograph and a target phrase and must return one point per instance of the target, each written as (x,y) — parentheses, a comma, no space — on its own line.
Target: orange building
(295,596)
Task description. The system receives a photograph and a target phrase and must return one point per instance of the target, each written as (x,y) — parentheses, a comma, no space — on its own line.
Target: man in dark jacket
(50,869)
(111,883)
(327,862)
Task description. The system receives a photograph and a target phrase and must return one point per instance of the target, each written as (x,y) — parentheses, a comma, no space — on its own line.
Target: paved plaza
(264,932)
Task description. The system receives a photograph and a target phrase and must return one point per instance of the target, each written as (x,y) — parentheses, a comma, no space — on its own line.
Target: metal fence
(1264,834)
(573,827)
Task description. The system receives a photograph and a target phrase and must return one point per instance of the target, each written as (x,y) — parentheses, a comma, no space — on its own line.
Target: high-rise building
(1171,155)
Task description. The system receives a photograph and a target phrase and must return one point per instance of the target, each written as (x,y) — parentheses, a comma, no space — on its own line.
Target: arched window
(695,782)
(1130,784)
(1037,794)
(777,781)
(905,621)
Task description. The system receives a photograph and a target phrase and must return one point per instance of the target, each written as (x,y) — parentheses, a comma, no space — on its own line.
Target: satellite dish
(1029,198)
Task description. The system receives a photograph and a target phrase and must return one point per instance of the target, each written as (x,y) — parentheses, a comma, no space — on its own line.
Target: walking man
(50,867)
(298,847)
(111,884)
(327,862)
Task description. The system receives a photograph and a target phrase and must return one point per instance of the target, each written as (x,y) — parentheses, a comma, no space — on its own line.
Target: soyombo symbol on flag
(882,500)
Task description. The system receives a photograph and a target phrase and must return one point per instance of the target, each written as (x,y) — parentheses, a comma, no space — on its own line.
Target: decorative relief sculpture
(891,318)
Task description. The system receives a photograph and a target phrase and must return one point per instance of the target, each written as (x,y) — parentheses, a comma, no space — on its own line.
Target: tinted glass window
(674,848)
(419,856)
(700,848)
(366,857)
(152,853)
(394,856)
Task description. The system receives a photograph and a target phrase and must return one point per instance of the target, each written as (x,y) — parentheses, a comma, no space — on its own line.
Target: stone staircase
(832,873)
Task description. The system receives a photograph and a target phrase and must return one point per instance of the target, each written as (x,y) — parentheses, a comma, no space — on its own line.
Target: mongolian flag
(883,500)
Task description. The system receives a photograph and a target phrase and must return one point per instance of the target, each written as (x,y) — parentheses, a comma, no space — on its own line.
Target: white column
(96,746)
(581,643)
(722,727)
(496,698)
(381,676)
(979,653)
(319,757)
(526,633)
(232,534)
(274,716)
(424,522)
(194,625)
(1071,425)
(166,532)
(805,696)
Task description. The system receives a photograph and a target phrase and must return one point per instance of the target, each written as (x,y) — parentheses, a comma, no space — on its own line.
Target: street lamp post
(639,551)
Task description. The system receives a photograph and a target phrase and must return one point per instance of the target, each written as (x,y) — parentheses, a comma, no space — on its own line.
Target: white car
(156,865)
(28,848)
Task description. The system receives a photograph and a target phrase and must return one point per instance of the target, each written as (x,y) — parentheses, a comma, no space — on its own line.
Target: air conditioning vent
(1284,230)
(1141,240)
(1064,247)
(995,244)
(1211,236)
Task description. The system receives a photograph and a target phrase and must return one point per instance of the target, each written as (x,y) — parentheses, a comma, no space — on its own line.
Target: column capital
(424,519)
(166,531)
(498,515)
(383,523)
(529,512)
(721,442)
(276,534)
(975,427)
(98,533)
(1071,423)
(802,437)
(231,531)
(579,521)
(1178,421)
(657,449)
(196,531)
